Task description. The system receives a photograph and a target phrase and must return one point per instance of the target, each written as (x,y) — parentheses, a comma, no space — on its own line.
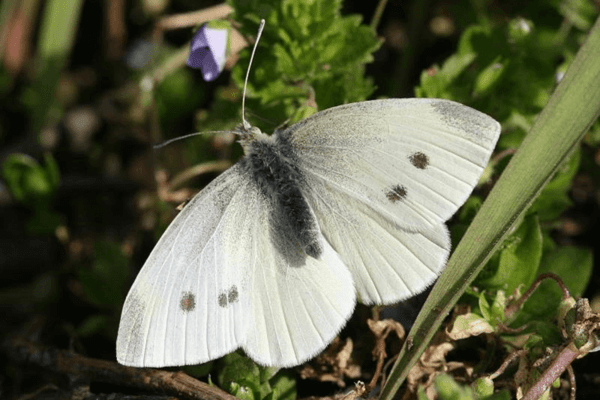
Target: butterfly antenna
(167,142)
(246,124)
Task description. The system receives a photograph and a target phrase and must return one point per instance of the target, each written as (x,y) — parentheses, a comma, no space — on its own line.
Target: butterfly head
(249,135)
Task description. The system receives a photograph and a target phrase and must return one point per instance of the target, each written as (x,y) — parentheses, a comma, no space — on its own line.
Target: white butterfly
(271,256)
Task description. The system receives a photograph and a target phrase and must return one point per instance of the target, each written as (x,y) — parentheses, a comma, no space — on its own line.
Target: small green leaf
(497,308)
(449,389)
(519,29)
(284,386)
(488,78)
(239,376)
(301,113)
(28,181)
(483,387)
(484,307)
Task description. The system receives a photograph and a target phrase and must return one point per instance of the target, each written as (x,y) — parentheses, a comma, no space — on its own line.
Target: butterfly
(347,205)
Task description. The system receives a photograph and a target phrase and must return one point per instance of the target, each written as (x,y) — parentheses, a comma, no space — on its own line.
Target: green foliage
(246,380)
(29,182)
(448,389)
(574,266)
(516,262)
(104,282)
(308,52)
(514,76)
(34,185)
(177,96)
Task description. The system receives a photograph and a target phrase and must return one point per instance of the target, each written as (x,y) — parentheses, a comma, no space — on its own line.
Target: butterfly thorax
(270,161)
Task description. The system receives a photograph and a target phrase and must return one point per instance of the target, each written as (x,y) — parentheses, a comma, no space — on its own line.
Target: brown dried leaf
(334,364)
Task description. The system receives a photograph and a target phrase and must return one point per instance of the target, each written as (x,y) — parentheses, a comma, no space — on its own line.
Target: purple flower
(208,51)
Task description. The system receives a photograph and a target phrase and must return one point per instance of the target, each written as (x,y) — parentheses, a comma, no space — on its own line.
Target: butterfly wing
(378,166)
(173,314)
(215,282)
(299,303)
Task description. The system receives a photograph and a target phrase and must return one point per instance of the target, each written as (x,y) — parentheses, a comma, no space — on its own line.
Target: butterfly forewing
(384,175)
(413,161)
(189,304)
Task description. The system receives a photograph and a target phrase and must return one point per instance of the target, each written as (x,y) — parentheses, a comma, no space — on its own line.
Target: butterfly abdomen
(280,182)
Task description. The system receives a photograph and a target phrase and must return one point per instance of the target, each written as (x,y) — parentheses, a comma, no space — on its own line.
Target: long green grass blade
(57,35)
(571,110)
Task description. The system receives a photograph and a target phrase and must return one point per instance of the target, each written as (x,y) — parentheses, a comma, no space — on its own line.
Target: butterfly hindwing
(388,264)
(299,303)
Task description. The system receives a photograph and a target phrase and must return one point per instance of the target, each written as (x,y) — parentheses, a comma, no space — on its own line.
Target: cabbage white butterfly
(272,255)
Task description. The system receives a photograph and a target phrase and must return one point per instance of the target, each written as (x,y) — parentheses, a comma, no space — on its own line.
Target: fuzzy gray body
(271,163)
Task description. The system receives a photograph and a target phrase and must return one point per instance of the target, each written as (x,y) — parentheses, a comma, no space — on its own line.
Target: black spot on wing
(419,160)
(222,299)
(233,295)
(187,302)
(396,193)
(228,297)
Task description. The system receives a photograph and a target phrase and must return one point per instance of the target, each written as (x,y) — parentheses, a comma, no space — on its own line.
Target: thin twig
(68,363)
(193,18)
(378,13)
(572,382)
(507,362)
(510,310)
(562,361)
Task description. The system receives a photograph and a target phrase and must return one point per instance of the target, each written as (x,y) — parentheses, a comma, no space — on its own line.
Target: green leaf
(518,260)
(500,395)
(483,387)
(437,83)
(56,38)
(284,386)
(574,266)
(470,324)
(488,78)
(29,182)
(554,199)
(241,377)
(104,282)
(449,389)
